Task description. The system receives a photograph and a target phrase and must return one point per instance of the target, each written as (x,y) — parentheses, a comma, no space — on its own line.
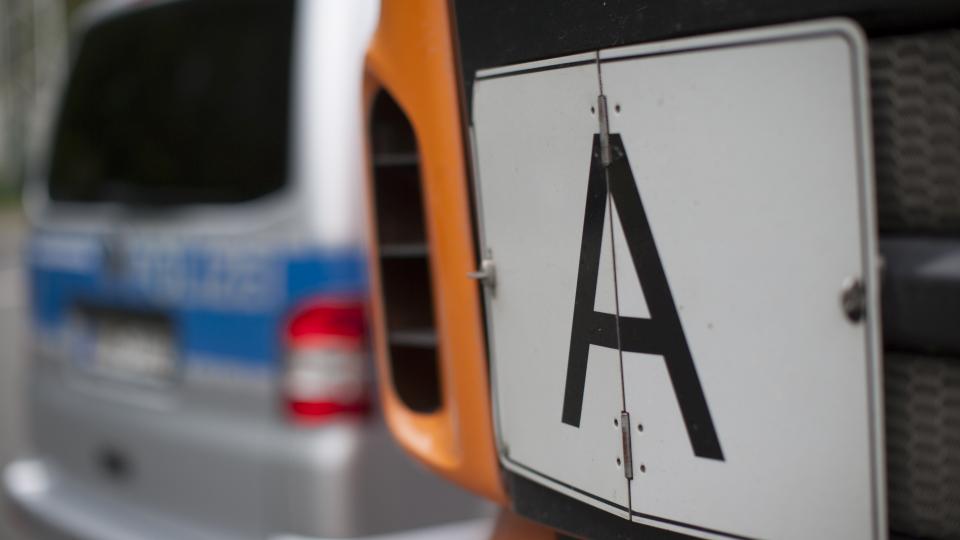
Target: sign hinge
(605,155)
(625,441)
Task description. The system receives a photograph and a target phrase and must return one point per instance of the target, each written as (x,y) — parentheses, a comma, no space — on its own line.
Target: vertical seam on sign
(604,123)
(613,248)
(599,77)
(616,289)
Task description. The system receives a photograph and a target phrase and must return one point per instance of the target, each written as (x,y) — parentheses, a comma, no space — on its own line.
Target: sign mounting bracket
(627,447)
(605,156)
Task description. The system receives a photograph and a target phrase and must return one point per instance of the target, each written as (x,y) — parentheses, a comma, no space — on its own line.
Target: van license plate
(126,345)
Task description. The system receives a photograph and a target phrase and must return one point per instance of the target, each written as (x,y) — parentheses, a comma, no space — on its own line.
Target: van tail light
(326,371)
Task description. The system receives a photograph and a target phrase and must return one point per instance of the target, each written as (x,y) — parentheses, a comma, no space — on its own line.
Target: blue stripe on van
(228,305)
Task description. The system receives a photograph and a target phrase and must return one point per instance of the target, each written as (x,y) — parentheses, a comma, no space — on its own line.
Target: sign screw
(486,274)
(853,299)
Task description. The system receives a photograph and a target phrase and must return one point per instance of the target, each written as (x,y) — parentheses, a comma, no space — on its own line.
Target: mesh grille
(923,445)
(915,85)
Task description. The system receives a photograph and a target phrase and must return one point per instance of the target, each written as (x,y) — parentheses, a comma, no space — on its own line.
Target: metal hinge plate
(625,440)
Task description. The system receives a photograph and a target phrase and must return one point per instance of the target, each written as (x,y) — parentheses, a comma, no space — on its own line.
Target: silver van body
(208,452)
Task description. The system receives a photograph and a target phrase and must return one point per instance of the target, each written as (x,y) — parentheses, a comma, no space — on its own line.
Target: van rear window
(183,102)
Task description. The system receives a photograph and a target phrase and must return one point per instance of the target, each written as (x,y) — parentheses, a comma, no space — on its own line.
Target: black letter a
(661,334)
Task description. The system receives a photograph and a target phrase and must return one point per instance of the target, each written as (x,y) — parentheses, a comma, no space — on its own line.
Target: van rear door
(162,264)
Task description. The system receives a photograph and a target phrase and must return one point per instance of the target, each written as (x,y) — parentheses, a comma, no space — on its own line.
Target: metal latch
(486,274)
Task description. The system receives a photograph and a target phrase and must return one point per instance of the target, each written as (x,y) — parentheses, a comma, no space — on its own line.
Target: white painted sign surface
(742,201)
(543,145)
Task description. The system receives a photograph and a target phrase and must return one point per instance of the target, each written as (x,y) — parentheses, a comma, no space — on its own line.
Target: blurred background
(33,38)
(197,356)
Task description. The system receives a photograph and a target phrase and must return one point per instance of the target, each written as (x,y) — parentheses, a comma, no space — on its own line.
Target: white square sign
(683,329)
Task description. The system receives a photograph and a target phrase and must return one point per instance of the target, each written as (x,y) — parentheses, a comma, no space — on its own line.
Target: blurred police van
(197,279)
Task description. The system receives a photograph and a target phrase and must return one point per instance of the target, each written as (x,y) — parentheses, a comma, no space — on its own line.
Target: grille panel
(403,256)
(915,91)
(923,445)
(915,85)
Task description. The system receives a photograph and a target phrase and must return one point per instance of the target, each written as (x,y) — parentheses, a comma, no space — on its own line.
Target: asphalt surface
(13,441)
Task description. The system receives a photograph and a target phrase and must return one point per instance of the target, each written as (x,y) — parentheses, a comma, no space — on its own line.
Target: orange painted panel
(411,57)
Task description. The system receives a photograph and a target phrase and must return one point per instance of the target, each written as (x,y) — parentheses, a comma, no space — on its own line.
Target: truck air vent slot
(403,258)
